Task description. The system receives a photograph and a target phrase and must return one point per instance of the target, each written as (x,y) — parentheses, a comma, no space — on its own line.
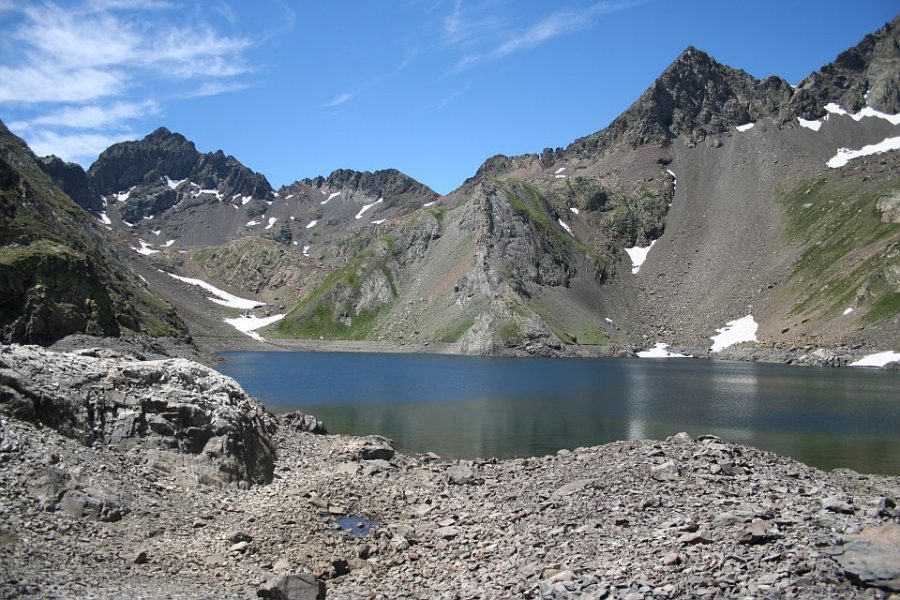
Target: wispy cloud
(449,98)
(96,67)
(73,146)
(338,100)
(484,39)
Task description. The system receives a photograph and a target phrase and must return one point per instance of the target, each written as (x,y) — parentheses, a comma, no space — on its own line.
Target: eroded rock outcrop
(171,406)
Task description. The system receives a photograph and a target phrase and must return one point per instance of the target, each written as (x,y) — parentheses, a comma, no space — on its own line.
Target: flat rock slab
(298,586)
(873,557)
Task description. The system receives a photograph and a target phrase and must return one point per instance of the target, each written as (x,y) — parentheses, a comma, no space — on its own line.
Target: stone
(757,532)
(671,558)
(667,471)
(872,558)
(239,547)
(698,537)
(296,586)
(460,475)
(838,504)
(447,533)
(375,448)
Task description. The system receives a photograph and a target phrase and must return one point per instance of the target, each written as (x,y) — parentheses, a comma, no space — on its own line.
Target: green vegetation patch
(847,249)
(330,310)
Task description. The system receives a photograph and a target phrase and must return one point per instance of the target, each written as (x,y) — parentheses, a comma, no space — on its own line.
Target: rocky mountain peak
(386,183)
(866,75)
(696,96)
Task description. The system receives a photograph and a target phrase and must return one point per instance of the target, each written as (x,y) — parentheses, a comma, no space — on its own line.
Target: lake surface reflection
(466,407)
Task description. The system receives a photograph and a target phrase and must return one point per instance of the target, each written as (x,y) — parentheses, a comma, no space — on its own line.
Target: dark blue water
(465,407)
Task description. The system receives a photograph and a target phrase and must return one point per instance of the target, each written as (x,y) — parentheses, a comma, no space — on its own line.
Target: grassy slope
(847,249)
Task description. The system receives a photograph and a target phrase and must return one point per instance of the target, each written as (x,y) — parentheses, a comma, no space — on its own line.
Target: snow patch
(638,256)
(311,223)
(173,184)
(150,218)
(734,332)
(868,111)
(745,127)
(202,192)
(379,221)
(367,207)
(105,219)
(879,359)
(168,244)
(608,320)
(566,227)
(306,250)
(156,232)
(252,223)
(814,125)
(249,324)
(245,199)
(123,196)
(560,176)
(329,198)
(127,223)
(847,311)
(427,204)
(845,155)
(222,297)
(145,249)
(289,196)
(560,170)
(574,210)
(271,222)
(660,351)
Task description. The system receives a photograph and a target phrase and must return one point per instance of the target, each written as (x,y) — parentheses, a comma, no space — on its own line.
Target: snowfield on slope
(879,359)
(638,256)
(660,350)
(222,297)
(845,155)
(249,324)
(734,332)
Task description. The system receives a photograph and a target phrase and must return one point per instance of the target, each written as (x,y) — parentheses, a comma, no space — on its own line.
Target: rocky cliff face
(172,406)
(866,75)
(60,273)
(73,180)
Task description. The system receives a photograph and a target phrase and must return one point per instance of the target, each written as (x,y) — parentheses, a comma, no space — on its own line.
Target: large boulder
(172,406)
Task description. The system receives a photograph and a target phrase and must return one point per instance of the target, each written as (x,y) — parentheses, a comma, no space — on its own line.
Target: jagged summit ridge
(387,183)
(695,96)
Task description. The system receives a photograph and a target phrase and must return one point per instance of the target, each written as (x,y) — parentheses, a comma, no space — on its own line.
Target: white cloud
(478,35)
(338,100)
(78,147)
(100,66)
(31,84)
(91,117)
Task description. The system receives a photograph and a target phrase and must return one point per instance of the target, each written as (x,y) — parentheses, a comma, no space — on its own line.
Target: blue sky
(430,87)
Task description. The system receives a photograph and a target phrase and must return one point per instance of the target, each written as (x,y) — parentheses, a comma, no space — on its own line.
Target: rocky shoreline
(149,515)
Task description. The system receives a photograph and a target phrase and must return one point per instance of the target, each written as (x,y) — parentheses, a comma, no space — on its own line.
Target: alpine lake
(468,407)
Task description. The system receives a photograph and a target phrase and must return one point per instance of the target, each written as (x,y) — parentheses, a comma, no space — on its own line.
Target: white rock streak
(845,155)
(366,207)
(222,297)
(638,256)
(734,332)
(879,359)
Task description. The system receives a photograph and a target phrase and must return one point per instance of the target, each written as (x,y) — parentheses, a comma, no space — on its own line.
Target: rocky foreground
(162,479)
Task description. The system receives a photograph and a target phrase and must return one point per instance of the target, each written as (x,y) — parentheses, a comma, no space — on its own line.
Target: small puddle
(357,525)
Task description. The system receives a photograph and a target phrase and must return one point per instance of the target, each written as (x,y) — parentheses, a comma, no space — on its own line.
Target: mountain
(701,177)
(715,198)
(60,272)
